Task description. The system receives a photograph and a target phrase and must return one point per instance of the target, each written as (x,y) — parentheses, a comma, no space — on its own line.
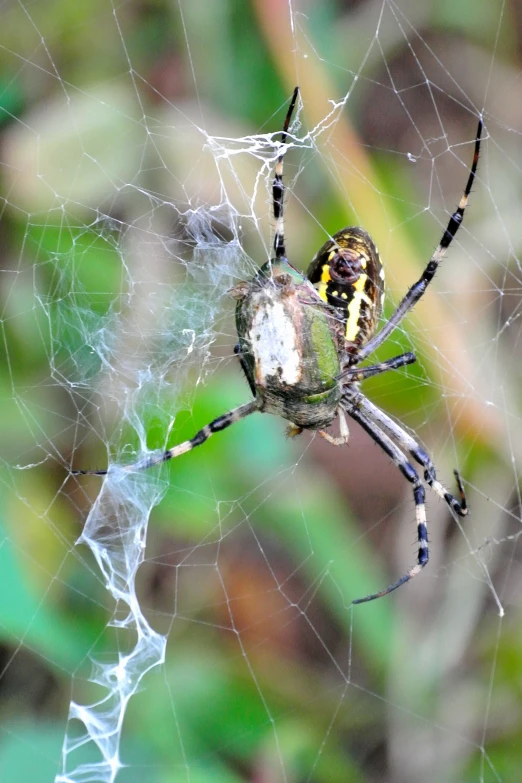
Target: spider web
(194,622)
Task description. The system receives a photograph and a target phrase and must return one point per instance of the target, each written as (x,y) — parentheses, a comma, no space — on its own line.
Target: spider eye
(345,266)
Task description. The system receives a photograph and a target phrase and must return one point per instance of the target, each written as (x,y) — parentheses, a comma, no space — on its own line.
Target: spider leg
(409,472)
(278,190)
(417,290)
(242,362)
(221,423)
(343,439)
(354,375)
(406,442)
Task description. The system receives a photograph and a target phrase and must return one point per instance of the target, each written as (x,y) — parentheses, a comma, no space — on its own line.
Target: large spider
(301,340)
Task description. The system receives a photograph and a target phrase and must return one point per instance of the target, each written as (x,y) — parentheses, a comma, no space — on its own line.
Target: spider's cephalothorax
(348,275)
(301,340)
(291,346)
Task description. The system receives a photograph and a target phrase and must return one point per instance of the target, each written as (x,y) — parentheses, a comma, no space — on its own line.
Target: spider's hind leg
(221,423)
(419,495)
(460,507)
(408,443)
(344,437)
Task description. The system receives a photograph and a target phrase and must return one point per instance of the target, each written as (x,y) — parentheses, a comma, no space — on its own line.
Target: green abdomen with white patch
(292,344)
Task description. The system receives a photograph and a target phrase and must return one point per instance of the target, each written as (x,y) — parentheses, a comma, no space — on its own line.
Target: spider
(302,338)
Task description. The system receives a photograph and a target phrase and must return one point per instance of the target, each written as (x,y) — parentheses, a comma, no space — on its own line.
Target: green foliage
(257,549)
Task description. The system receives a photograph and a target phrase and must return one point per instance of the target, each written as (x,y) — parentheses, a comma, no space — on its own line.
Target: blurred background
(137,143)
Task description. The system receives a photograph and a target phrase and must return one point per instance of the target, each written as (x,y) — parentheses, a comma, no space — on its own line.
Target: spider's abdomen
(348,274)
(292,346)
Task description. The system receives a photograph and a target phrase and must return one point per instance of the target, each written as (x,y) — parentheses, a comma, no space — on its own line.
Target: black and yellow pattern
(348,275)
(302,360)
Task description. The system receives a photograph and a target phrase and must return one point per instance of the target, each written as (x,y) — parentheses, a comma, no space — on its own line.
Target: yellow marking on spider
(325,272)
(322,284)
(354,308)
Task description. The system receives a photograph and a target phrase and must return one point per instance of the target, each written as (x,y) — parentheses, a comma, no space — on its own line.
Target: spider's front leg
(418,289)
(244,367)
(356,375)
